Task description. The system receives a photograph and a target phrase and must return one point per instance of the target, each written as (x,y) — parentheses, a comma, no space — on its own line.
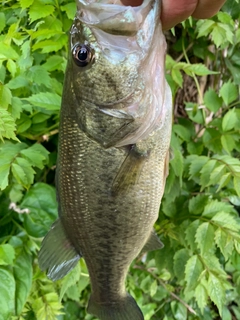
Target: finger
(174,11)
(207,8)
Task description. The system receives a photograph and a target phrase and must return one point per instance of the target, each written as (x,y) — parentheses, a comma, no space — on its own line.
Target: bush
(197,274)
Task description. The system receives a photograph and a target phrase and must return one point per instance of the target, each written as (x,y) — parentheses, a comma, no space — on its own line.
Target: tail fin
(124,309)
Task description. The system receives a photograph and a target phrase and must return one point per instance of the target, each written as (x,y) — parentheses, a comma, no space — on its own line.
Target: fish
(114,137)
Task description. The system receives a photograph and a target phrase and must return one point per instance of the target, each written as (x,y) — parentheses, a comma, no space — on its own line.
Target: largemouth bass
(114,137)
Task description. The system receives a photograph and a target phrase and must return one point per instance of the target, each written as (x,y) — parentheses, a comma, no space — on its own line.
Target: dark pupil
(82,54)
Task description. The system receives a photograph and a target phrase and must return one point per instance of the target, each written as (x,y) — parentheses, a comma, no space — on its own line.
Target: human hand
(175,11)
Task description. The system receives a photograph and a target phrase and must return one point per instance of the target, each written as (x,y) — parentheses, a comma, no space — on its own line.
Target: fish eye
(82,55)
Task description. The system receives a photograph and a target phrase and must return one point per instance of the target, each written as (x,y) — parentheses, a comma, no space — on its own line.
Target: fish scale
(117,215)
(114,136)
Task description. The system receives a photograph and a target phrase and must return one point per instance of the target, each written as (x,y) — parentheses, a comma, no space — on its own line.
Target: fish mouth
(113,16)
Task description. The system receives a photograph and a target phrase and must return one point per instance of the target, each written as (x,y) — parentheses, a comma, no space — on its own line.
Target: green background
(197,274)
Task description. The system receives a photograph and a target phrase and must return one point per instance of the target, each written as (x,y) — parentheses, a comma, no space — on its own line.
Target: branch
(189,308)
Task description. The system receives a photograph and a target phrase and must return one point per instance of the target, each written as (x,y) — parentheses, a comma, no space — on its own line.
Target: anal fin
(57,255)
(153,243)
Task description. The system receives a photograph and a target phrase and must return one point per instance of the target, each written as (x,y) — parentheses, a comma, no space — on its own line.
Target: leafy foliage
(197,274)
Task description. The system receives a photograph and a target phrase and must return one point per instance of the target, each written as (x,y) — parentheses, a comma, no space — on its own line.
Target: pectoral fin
(129,171)
(57,255)
(153,243)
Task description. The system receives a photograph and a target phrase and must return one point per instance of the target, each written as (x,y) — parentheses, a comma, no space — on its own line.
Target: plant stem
(189,308)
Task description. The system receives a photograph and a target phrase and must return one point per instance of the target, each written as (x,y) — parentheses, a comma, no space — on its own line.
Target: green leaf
(72,293)
(212,101)
(204,27)
(2,21)
(37,155)
(214,207)
(153,288)
(225,18)
(7,254)
(16,193)
(46,100)
(12,67)
(23,276)
(180,260)
(225,242)
(191,233)
(55,63)
(5,96)
(7,294)
(8,152)
(39,75)
(47,46)
(226,220)
(229,92)
(4,173)
(41,201)
(221,34)
(182,131)
(212,264)
(26,3)
(47,306)
(70,280)
(193,270)
(201,296)
(179,310)
(194,112)
(229,120)
(40,117)
(235,70)
(198,69)
(18,82)
(23,124)
(217,173)
(7,125)
(232,8)
(216,291)
(196,164)
(39,10)
(224,181)
(16,108)
(177,160)
(205,238)
(197,204)
(206,173)
(23,172)
(212,140)
(7,52)
(236,181)
(226,314)
(228,143)
(70,10)
(177,76)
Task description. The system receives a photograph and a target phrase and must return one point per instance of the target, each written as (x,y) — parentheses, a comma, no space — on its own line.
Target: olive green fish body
(114,138)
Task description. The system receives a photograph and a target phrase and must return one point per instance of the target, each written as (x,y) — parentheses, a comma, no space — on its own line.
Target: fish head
(109,43)
(113,64)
